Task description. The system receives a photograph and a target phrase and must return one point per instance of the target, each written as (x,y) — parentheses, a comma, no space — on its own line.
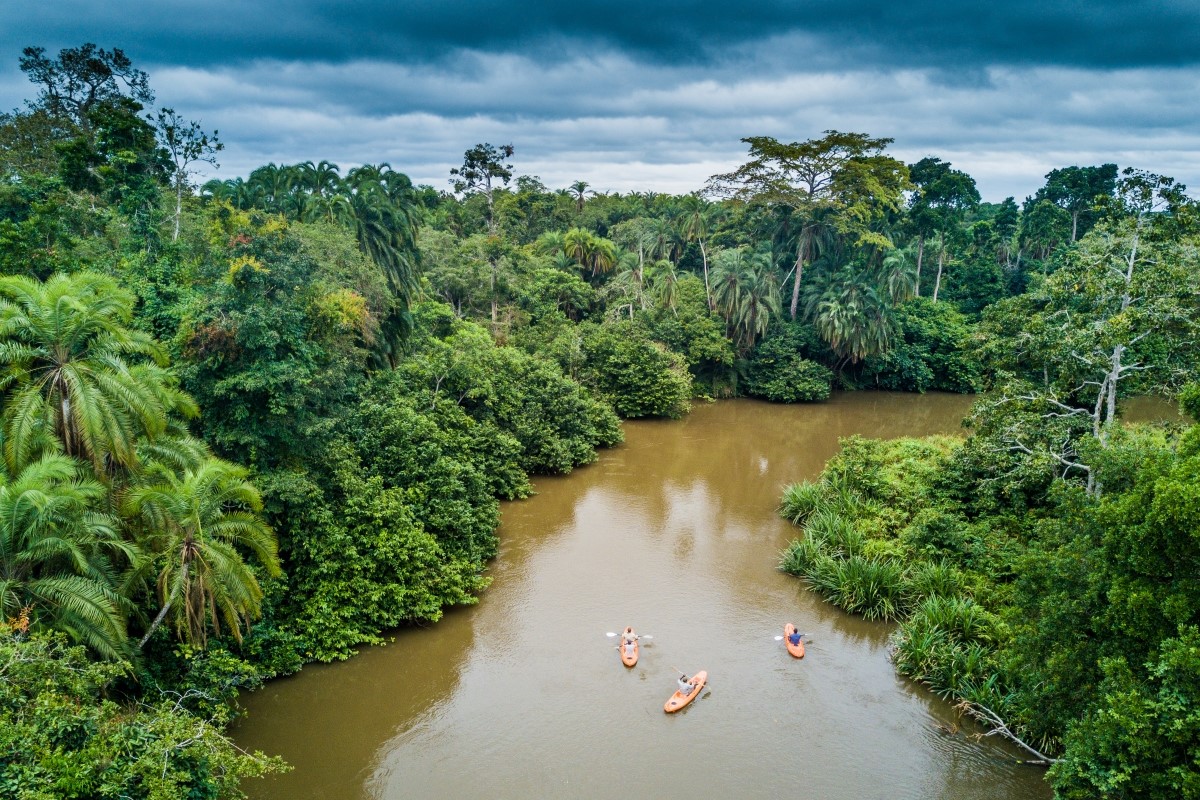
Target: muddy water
(675,533)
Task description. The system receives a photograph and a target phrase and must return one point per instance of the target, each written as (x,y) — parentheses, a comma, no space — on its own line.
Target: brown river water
(675,533)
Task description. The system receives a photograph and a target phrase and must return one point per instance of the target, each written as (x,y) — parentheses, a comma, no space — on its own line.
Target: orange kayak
(679,700)
(629,656)
(796,650)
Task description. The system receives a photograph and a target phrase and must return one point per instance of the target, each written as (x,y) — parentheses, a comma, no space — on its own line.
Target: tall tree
(843,176)
(699,220)
(1005,224)
(1122,304)
(186,144)
(67,365)
(1043,228)
(941,198)
(579,189)
(82,78)
(58,555)
(483,164)
(1077,190)
(197,523)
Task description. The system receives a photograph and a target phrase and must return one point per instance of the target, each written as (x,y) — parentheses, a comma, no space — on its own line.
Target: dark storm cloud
(628,97)
(940,33)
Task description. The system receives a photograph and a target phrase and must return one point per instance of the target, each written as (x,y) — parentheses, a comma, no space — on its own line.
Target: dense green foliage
(60,741)
(1045,570)
(354,441)
(931,352)
(1073,621)
(779,370)
(261,423)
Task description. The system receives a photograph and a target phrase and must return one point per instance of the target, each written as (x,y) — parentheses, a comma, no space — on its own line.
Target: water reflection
(674,532)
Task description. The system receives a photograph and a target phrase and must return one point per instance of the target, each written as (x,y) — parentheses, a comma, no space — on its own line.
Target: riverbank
(1020,586)
(674,531)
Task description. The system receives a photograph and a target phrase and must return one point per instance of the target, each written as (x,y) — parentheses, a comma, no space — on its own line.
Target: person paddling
(794,637)
(685,686)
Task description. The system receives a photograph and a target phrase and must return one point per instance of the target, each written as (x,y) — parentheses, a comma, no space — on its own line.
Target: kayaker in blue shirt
(794,637)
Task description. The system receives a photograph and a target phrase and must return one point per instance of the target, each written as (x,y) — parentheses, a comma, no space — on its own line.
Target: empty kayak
(679,699)
(796,650)
(628,650)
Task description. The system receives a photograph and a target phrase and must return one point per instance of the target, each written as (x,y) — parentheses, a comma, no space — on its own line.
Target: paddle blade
(610,634)
(779,638)
(645,636)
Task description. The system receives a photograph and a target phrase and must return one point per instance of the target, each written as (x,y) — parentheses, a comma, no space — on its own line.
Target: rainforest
(258,422)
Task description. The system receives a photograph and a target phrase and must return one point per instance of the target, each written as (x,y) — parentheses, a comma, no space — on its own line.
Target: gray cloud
(629,98)
(622,125)
(947,34)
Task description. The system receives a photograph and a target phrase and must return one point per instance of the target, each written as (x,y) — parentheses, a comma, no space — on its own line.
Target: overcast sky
(655,96)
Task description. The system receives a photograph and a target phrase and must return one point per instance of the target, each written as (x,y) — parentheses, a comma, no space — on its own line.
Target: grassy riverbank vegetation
(1045,569)
(261,422)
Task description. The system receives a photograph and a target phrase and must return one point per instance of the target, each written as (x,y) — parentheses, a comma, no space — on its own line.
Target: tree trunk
(937,284)
(178,209)
(1074,224)
(796,283)
(920,255)
(487,187)
(163,613)
(154,625)
(707,289)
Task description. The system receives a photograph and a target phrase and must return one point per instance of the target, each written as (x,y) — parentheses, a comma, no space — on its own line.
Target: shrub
(935,579)
(837,533)
(803,556)
(789,380)
(961,617)
(938,533)
(639,377)
(800,500)
(871,587)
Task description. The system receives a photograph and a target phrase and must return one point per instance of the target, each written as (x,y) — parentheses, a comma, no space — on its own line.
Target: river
(675,533)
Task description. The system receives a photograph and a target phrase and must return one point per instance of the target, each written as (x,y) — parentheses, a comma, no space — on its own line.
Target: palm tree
(276,183)
(577,244)
(579,189)
(850,314)
(217,189)
(663,280)
(665,240)
(195,521)
(759,300)
(727,268)
(699,219)
(386,233)
(321,179)
(65,370)
(56,553)
(397,186)
(246,194)
(899,279)
(602,256)
(746,293)
(550,243)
